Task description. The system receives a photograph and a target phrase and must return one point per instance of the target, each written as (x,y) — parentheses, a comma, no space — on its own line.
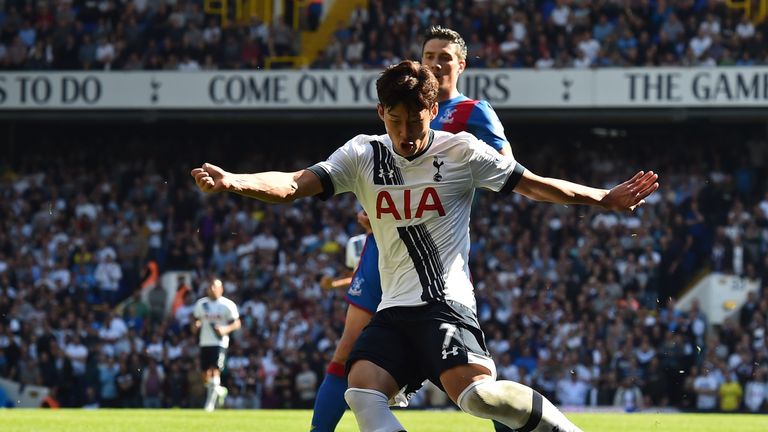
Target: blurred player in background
(426,325)
(444,52)
(215,317)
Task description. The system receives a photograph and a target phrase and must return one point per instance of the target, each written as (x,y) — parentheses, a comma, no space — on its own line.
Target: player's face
(216,289)
(408,130)
(442,58)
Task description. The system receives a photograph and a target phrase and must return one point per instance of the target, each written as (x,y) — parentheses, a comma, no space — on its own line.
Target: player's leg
(370,388)
(378,368)
(221,391)
(212,359)
(329,403)
(454,346)
(515,405)
(210,390)
(363,296)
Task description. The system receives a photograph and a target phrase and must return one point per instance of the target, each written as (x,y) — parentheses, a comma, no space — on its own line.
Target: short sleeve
(486,126)
(197,312)
(233,310)
(338,173)
(491,170)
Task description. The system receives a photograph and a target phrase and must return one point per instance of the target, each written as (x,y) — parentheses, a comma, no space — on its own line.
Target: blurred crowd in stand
(575,302)
(178,35)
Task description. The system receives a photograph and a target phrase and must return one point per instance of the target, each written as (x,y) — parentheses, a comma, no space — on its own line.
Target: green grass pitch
(21,420)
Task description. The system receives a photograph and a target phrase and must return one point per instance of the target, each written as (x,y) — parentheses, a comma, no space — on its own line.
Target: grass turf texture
(20,420)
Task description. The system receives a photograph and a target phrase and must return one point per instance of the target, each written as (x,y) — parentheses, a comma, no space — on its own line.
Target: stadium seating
(575,302)
(194,34)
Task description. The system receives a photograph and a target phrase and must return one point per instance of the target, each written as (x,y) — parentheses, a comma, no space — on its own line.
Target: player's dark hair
(407,82)
(442,33)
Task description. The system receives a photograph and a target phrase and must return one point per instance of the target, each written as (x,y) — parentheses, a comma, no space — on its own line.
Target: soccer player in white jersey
(215,317)
(417,185)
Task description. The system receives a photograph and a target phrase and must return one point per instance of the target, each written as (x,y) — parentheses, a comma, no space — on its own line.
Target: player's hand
(632,193)
(217,330)
(326,282)
(364,221)
(210,178)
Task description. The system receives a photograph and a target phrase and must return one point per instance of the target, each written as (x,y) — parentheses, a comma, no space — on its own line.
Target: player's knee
(371,410)
(353,397)
(495,400)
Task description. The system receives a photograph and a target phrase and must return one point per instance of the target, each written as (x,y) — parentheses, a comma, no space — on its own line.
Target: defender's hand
(326,282)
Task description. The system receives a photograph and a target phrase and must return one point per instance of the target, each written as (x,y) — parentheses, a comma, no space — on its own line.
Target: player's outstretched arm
(626,196)
(272,186)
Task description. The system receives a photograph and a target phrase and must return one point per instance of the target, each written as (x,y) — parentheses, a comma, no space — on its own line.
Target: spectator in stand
(628,396)
(34,39)
(756,391)
(306,383)
(152,383)
(572,391)
(108,275)
(128,386)
(182,288)
(730,393)
(156,300)
(705,387)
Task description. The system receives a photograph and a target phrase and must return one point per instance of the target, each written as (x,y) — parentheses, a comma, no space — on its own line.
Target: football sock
(329,402)
(210,396)
(371,410)
(515,405)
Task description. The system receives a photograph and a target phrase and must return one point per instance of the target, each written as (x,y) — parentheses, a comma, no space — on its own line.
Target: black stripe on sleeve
(325,180)
(513,179)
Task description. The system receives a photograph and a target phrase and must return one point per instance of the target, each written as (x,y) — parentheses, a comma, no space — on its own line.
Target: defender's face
(442,58)
(408,130)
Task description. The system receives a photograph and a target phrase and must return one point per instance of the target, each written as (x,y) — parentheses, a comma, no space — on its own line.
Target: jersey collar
(454,100)
(429,144)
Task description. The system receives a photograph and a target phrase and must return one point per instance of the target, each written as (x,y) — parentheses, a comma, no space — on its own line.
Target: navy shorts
(418,343)
(212,357)
(365,289)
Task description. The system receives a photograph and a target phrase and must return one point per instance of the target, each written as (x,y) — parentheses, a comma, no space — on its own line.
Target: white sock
(371,410)
(210,396)
(515,405)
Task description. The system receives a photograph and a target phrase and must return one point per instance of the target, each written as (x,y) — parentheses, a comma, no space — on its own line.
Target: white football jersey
(211,313)
(419,209)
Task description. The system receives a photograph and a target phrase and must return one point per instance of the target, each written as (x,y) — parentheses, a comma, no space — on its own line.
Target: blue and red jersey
(462,114)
